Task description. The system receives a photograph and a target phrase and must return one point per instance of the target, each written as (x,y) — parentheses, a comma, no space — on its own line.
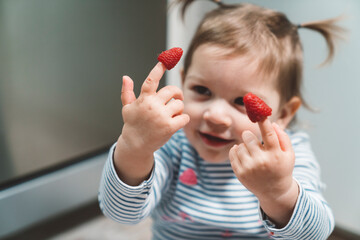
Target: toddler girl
(193,160)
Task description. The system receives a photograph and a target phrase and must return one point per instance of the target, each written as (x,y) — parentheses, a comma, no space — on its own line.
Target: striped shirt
(189,198)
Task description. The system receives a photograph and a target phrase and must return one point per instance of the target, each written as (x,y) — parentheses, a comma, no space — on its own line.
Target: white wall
(332,89)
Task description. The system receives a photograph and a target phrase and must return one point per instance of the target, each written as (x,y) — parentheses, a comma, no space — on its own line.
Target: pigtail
(330,30)
(186,3)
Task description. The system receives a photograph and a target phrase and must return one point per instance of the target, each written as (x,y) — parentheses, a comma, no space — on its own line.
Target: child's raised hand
(266,169)
(152,118)
(149,120)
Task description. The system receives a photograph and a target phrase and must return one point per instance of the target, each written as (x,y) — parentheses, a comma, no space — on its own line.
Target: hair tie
(299,26)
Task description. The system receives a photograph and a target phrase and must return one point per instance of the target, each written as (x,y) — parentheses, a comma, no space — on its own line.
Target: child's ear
(288,111)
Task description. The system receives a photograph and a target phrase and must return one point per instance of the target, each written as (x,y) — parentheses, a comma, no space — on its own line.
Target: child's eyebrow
(259,95)
(197,79)
(263,97)
(194,76)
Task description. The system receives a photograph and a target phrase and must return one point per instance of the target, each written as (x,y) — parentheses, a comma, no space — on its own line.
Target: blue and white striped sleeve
(312,218)
(131,204)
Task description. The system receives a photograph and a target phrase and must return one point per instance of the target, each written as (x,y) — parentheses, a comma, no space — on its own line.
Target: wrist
(132,165)
(279,207)
(282,193)
(131,147)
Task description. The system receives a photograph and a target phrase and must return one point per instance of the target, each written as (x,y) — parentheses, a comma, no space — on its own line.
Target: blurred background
(61,63)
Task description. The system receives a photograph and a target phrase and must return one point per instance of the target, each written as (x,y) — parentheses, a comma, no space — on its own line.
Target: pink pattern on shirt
(227,233)
(185,216)
(188,177)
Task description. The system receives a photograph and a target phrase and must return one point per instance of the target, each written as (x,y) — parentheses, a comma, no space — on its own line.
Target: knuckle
(175,90)
(277,155)
(179,103)
(149,107)
(167,91)
(149,80)
(145,103)
(241,149)
(264,164)
(240,173)
(168,128)
(243,174)
(270,134)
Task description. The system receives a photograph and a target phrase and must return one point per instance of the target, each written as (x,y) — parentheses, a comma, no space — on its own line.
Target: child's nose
(218,113)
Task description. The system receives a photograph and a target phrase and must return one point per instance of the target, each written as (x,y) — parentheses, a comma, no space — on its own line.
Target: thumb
(127,91)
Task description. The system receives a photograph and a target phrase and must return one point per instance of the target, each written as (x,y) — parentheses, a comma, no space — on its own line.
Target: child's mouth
(214,141)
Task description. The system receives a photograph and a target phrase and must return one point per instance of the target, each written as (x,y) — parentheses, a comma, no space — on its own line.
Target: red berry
(170,57)
(256,108)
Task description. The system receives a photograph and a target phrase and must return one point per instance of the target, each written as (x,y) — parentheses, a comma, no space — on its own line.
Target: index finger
(151,83)
(268,134)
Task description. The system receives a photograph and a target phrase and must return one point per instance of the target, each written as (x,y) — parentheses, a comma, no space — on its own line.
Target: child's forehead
(252,58)
(211,61)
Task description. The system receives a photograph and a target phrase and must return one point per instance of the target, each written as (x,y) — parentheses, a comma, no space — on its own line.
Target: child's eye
(202,90)
(239,101)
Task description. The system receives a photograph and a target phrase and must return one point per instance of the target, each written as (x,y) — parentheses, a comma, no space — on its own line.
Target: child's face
(213,89)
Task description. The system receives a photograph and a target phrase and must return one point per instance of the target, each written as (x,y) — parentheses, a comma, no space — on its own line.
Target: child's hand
(152,118)
(266,169)
(149,122)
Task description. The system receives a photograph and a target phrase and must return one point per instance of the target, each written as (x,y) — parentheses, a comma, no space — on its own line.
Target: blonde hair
(265,34)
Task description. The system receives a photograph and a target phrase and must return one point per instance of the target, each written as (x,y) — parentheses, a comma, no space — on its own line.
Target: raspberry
(256,108)
(170,57)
